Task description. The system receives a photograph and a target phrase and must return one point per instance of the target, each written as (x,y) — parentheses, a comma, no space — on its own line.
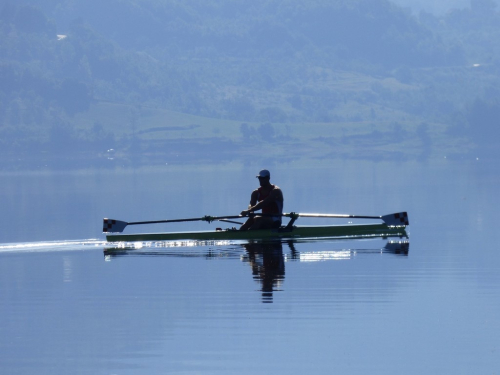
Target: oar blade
(115,226)
(398,219)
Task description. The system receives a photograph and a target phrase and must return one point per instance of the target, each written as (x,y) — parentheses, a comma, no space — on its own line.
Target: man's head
(264,176)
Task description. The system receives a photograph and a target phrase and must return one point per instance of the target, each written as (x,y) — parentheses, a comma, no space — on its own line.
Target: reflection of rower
(268,266)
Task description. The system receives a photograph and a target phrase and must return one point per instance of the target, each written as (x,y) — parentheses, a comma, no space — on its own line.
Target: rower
(269,199)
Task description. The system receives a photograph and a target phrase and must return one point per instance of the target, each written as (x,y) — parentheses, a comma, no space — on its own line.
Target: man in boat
(269,199)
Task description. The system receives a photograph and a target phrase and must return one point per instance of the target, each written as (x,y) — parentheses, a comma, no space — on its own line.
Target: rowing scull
(351,230)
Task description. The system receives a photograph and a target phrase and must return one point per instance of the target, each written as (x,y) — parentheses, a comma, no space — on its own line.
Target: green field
(150,131)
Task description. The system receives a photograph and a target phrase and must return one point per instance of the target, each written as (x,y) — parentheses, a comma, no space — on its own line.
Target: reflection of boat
(228,249)
(349,230)
(392,247)
(266,258)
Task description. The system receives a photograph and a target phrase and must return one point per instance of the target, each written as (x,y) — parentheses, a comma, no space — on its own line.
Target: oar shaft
(163,221)
(340,216)
(397,219)
(204,218)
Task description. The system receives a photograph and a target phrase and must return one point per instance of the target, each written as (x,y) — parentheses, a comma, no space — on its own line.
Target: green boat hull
(352,230)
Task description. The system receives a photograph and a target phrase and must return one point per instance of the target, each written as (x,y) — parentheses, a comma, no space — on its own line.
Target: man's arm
(253,201)
(253,198)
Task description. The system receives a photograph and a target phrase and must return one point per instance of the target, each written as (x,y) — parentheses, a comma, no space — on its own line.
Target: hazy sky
(433,6)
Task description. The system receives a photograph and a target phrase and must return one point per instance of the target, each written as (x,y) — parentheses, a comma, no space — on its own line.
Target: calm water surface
(71,303)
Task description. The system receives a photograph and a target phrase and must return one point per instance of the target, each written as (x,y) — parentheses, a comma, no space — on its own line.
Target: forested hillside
(359,68)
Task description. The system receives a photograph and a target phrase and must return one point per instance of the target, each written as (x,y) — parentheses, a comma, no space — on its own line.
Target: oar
(397,219)
(117,226)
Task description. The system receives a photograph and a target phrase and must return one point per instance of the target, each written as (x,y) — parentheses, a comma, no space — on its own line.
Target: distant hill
(374,32)
(353,64)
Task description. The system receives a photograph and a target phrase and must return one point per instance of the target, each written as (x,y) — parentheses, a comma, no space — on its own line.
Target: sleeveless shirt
(275,207)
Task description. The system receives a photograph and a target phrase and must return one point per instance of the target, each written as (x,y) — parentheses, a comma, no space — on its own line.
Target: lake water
(72,304)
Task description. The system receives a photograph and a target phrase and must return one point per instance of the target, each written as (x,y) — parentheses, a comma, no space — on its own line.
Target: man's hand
(245,212)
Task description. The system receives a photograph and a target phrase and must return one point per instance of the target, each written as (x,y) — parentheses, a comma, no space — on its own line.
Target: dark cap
(264,174)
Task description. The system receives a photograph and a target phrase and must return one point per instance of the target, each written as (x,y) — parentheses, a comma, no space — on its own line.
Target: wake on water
(50,246)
